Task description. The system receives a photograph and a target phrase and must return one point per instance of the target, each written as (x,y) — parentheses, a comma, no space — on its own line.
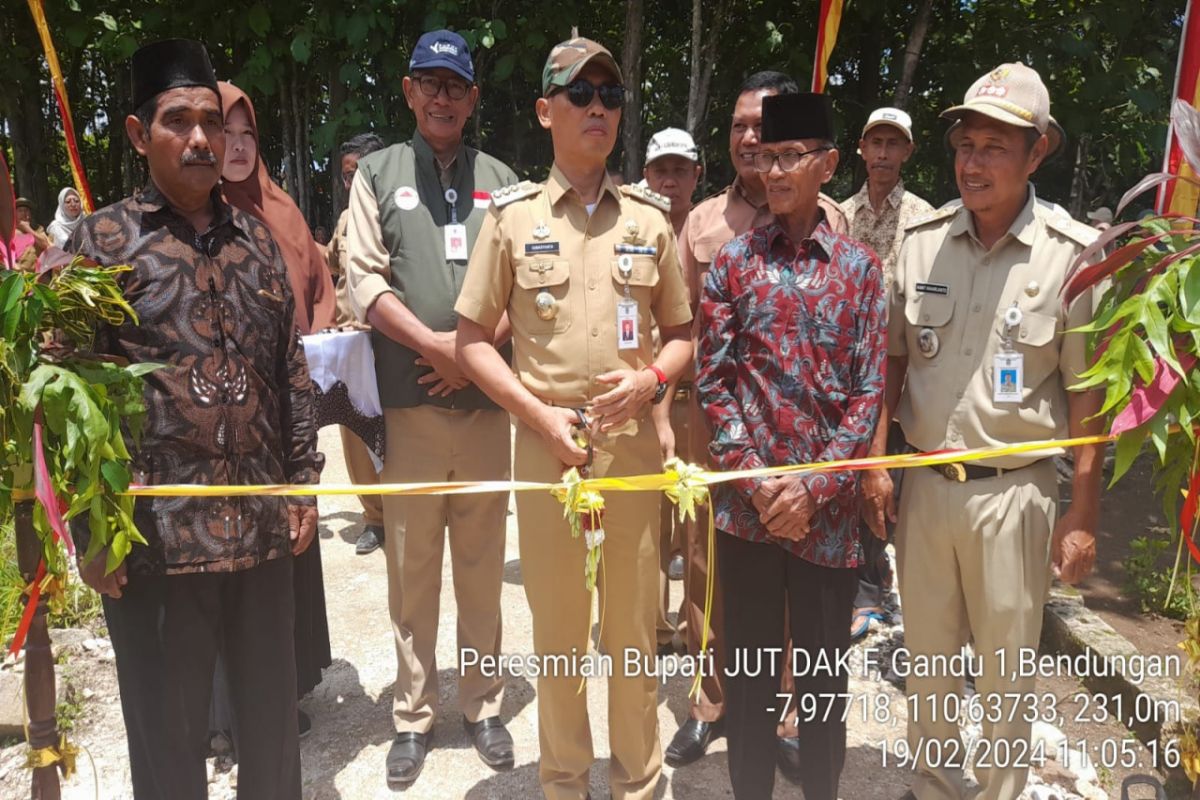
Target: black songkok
(170,64)
(787,117)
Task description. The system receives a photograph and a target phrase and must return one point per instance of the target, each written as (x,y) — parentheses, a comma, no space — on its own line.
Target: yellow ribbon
(64,754)
(634,483)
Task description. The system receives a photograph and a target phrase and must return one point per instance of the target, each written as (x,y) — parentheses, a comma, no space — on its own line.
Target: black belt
(961,473)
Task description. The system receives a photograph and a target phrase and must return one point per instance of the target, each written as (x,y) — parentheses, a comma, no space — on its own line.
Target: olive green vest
(421,276)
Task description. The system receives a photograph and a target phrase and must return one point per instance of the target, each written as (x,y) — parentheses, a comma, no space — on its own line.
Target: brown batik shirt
(234,403)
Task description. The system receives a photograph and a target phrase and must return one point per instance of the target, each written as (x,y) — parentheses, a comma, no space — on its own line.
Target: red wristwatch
(660,391)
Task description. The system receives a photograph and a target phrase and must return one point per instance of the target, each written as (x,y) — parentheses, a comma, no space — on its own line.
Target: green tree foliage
(320,71)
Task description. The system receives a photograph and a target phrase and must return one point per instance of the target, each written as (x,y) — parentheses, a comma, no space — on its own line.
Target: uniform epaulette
(517,191)
(1073,229)
(646,196)
(938,214)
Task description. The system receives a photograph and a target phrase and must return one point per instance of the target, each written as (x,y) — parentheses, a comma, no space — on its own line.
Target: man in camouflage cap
(583,269)
(982,351)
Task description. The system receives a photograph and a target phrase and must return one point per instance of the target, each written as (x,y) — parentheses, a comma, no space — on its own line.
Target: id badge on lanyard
(1008,366)
(455,233)
(627,309)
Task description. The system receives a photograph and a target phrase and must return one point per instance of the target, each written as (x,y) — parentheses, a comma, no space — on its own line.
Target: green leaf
(358,26)
(116,475)
(487,40)
(504,67)
(302,46)
(259,19)
(107,21)
(1129,444)
(499,28)
(1189,290)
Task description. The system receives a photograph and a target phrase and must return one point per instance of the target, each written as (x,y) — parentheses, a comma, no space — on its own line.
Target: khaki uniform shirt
(576,262)
(884,231)
(956,292)
(338,257)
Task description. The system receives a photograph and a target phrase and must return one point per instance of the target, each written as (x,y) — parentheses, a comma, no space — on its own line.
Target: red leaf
(1102,241)
(1187,517)
(1147,400)
(1093,274)
(1149,182)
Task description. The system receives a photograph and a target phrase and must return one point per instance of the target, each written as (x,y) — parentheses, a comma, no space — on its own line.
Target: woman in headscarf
(67,217)
(246,185)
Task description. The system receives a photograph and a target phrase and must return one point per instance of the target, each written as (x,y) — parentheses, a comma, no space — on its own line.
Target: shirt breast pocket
(641,274)
(928,317)
(540,304)
(1035,338)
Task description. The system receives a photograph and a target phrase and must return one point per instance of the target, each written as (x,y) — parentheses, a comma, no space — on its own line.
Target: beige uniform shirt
(884,231)
(338,257)
(574,259)
(949,298)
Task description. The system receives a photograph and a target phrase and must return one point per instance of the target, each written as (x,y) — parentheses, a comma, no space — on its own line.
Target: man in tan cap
(980,354)
(878,215)
(583,269)
(672,169)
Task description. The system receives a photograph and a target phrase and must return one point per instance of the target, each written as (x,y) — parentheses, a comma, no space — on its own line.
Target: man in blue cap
(415,210)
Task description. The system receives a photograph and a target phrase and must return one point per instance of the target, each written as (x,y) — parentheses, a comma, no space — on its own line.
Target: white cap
(1101,214)
(889,116)
(672,142)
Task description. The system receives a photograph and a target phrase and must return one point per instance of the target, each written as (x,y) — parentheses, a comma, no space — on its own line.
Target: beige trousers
(552,567)
(362,472)
(427,443)
(974,563)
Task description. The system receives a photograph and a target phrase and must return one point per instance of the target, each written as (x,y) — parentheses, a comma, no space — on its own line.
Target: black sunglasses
(580,93)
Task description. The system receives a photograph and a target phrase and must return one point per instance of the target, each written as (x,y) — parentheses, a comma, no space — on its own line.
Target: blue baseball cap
(443,49)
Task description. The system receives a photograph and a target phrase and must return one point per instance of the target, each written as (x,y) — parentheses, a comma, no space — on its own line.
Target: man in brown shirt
(232,405)
(583,270)
(712,224)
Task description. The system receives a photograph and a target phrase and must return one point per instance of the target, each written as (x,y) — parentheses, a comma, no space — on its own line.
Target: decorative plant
(1146,341)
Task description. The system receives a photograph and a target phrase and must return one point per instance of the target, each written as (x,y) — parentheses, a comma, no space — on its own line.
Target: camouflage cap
(1013,94)
(569,57)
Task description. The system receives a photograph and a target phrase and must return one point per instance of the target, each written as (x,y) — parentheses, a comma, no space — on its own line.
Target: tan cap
(1013,94)
(23,202)
(889,116)
(1101,214)
(672,142)
(569,57)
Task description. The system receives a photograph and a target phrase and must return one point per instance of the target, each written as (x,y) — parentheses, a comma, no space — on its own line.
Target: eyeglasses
(580,93)
(431,86)
(788,160)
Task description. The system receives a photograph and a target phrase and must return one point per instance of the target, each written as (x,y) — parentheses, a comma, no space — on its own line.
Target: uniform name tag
(636,249)
(1008,377)
(541,248)
(456,243)
(627,325)
(933,288)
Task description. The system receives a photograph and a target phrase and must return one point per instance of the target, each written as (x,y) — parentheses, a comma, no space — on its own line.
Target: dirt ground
(343,756)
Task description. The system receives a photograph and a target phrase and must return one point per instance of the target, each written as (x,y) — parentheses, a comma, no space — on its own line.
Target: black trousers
(166,630)
(758,580)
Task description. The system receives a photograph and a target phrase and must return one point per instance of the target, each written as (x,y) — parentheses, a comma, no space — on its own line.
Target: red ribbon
(1187,517)
(43,489)
(35,593)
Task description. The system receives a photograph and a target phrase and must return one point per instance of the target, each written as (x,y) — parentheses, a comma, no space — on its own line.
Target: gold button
(591,284)
(925,318)
(595,332)
(968,351)
(977,308)
(1022,334)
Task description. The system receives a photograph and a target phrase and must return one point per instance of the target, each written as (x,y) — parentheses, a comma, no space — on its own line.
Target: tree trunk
(704,56)
(288,161)
(298,149)
(1078,198)
(912,54)
(337,98)
(631,61)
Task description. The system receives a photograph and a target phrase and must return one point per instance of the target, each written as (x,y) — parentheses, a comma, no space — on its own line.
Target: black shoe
(691,741)
(303,722)
(407,756)
(370,540)
(788,757)
(492,741)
